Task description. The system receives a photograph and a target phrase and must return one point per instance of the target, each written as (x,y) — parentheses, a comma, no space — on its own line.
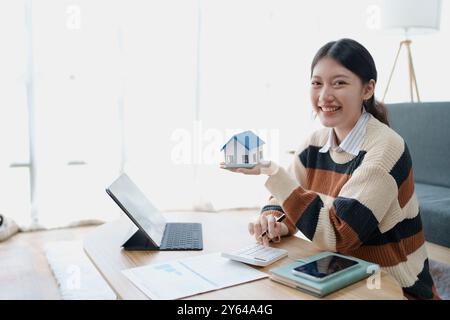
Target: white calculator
(256,254)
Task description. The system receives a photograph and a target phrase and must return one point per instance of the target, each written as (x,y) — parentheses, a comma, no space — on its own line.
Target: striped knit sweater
(363,206)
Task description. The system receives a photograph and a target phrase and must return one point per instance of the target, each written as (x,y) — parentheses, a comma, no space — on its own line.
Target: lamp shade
(413,16)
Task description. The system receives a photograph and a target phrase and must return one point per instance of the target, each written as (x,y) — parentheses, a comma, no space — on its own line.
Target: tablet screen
(326,266)
(138,208)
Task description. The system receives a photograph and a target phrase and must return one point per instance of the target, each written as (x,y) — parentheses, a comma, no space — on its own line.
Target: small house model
(243,149)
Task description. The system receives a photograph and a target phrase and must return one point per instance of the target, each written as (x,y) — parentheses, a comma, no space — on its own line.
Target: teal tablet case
(284,275)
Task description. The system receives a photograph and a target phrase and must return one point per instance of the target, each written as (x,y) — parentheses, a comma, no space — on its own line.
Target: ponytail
(377,109)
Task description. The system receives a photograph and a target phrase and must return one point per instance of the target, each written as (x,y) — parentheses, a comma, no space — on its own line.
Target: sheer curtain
(77,91)
(160,58)
(60,93)
(14,134)
(155,88)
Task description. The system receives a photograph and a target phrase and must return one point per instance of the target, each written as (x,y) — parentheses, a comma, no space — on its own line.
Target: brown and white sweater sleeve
(273,206)
(274,209)
(353,216)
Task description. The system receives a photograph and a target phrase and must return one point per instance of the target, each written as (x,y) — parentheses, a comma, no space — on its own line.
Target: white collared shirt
(353,141)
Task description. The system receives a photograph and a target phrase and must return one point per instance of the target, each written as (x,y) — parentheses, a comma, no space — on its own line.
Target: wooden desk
(221,231)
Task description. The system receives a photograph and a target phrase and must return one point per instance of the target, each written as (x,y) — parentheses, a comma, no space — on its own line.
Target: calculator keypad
(261,252)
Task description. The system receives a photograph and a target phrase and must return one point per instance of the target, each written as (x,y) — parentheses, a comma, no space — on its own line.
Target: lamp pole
(412,73)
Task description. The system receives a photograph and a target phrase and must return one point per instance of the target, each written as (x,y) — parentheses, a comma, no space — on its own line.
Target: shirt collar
(353,141)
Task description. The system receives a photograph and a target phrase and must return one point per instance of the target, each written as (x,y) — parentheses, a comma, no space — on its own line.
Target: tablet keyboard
(182,236)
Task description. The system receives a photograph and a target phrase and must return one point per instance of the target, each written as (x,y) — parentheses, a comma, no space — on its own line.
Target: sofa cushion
(426,129)
(434,203)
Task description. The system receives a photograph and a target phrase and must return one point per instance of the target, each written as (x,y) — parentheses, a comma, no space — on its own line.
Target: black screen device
(324,267)
(154,232)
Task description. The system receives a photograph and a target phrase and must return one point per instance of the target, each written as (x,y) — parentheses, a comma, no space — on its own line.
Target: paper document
(189,276)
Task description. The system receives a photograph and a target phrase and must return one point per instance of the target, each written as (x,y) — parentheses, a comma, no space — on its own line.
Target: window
(92,104)
(76,103)
(245,158)
(62,113)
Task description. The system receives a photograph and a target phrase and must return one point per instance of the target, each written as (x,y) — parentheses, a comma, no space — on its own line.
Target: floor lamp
(412,17)
(412,73)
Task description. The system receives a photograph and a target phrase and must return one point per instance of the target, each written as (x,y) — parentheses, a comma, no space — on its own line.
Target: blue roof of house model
(252,142)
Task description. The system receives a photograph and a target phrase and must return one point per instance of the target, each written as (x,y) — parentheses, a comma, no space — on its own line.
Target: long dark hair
(353,56)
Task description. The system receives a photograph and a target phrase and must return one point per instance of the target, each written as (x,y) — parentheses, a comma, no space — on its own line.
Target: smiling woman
(339,78)
(350,187)
(336,95)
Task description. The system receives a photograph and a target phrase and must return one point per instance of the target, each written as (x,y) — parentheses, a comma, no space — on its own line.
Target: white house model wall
(236,153)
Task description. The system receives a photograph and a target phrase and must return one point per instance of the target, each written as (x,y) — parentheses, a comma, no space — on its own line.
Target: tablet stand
(139,242)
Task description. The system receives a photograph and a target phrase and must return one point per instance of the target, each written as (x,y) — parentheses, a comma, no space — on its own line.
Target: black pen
(279,219)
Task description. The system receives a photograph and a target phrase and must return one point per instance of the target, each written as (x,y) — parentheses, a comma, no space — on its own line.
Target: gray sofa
(426,130)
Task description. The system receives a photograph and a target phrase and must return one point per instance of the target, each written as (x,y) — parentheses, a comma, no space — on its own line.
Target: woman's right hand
(259,168)
(263,223)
